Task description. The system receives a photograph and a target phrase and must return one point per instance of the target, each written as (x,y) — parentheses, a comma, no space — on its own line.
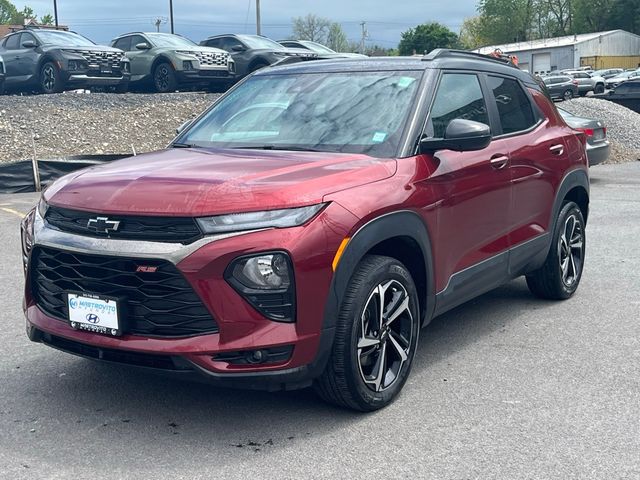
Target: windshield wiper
(183,145)
(277,147)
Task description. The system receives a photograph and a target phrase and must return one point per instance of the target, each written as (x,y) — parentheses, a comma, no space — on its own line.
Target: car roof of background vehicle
(437,59)
(149,33)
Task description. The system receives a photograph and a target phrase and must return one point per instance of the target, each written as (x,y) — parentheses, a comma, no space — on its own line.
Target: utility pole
(55,11)
(171,14)
(365,35)
(258,29)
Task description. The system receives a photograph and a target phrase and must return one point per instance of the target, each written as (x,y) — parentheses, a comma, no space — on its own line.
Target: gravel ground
(98,123)
(623,125)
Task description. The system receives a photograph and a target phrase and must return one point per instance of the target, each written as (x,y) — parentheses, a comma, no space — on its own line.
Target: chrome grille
(211,59)
(97,57)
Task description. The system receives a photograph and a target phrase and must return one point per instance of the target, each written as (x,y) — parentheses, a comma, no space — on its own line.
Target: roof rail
(450,52)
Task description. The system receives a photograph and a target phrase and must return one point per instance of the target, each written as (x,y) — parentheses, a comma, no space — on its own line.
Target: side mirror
(183,127)
(29,44)
(460,136)
(238,48)
(143,46)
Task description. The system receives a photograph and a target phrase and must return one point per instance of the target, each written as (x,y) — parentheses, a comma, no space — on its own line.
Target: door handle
(499,161)
(557,149)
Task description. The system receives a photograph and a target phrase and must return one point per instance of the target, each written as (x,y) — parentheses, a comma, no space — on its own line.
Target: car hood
(196,182)
(85,48)
(194,48)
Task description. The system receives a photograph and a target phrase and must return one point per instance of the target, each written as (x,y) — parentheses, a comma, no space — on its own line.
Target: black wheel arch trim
(404,223)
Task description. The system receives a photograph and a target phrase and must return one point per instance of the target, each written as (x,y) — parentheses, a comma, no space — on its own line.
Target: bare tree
(312,27)
(336,38)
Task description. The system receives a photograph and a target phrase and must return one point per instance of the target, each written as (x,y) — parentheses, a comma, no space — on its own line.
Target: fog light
(187,65)
(266,282)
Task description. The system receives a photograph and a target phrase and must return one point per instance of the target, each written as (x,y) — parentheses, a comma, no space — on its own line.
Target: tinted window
(214,42)
(11,43)
(123,43)
(229,42)
(27,37)
(135,40)
(459,96)
(514,107)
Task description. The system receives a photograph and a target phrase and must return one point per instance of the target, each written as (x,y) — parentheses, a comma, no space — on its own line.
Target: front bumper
(204,76)
(89,80)
(241,327)
(598,153)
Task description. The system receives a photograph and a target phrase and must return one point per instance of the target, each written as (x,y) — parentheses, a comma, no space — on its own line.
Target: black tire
(50,80)
(164,78)
(599,89)
(567,95)
(553,280)
(362,347)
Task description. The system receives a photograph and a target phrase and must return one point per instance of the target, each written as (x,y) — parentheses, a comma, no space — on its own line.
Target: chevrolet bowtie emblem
(103,225)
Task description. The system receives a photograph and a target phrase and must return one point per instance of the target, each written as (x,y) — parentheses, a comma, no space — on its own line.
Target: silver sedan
(597,144)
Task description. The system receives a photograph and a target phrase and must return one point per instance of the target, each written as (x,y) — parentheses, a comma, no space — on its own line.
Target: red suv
(304,228)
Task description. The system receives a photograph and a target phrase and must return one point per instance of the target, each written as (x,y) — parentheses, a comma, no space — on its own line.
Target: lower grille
(162,362)
(157,301)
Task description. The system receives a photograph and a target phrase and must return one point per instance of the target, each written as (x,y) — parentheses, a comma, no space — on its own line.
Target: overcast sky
(197,19)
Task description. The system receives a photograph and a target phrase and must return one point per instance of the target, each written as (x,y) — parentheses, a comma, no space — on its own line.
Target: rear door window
(459,96)
(11,43)
(514,108)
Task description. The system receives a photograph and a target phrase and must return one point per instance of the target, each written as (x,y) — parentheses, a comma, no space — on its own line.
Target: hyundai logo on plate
(92,318)
(103,224)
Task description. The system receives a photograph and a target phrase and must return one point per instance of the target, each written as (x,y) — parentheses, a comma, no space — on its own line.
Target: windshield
(357,112)
(167,40)
(316,47)
(257,42)
(64,39)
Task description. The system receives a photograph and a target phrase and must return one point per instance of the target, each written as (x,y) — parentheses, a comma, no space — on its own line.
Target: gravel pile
(623,125)
(98,123)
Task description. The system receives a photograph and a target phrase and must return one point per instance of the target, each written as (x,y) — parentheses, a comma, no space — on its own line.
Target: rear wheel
(376,337)
(567,95)
(599,88)
(164,78)
(559,277)
(50,80)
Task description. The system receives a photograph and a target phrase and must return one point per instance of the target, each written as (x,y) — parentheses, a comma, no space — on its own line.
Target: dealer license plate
(94,313)
(106,69)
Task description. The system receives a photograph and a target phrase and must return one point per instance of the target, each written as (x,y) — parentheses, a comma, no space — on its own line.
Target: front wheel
(567,95)
(50,81)
(599,89)
(559,277)
(164,78)
(376,337)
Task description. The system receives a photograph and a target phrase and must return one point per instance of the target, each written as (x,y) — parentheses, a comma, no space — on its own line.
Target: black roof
(437,59)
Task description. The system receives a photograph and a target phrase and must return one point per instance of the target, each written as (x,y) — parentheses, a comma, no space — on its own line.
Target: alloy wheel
(49,77)
(571,250)
(568,95)
(386,335)
(162,78)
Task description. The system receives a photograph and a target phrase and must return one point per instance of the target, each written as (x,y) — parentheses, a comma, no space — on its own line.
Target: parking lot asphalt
(506,386)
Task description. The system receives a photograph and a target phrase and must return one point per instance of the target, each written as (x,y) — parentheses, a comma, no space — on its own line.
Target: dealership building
(612,49)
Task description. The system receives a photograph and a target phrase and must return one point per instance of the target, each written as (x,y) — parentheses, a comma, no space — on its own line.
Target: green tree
(336,39)
(426,37)
(471,34)
(8,12)
(47,19)
(505,21)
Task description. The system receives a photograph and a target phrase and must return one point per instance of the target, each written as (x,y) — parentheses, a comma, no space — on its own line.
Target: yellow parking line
(11,210)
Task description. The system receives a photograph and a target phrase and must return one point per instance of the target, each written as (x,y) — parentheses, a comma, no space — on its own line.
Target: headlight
(43,206)
(265,280)
(237,222)
(26,236)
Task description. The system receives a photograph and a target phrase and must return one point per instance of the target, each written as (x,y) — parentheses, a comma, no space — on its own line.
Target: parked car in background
(587,83)
(308,242)
(598,146)
(168,62)
(607,72)
(321,50)
(626,94)
(1,76)
(54,60)
(613,82)
(562,87)
(253,52)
